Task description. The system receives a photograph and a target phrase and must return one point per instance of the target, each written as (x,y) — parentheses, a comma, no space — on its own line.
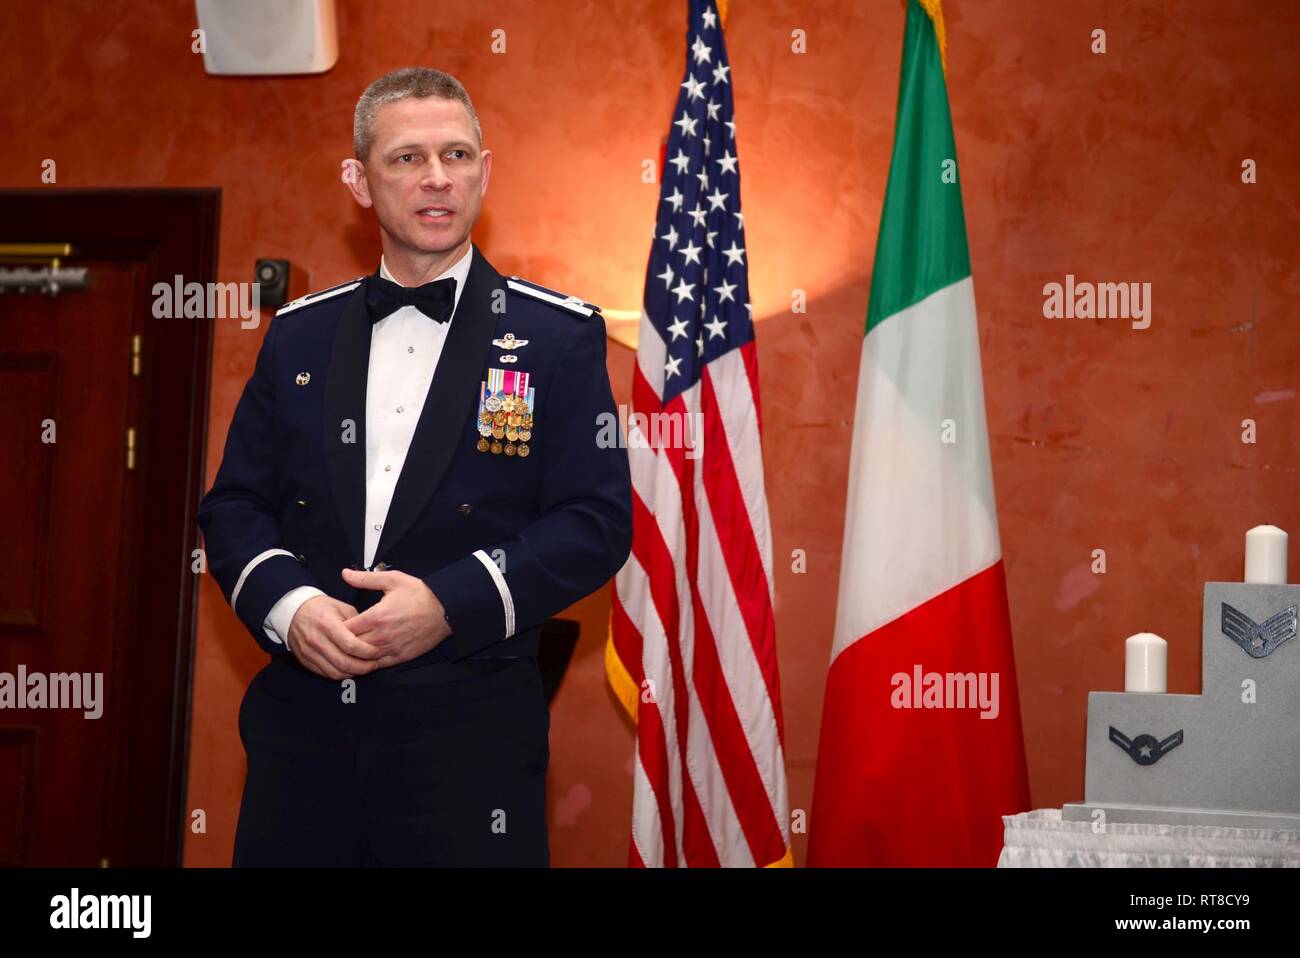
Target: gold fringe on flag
(787,860)
(624,686)
(934,10)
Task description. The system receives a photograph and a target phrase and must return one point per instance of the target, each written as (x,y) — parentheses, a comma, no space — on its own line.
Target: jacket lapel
(345,399)
(452,399)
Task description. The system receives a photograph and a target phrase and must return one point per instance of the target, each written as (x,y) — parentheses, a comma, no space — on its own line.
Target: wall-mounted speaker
(268,37)
(272,278)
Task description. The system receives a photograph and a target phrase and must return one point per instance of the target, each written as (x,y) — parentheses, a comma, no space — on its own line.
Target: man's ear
(354,175)
(487,171)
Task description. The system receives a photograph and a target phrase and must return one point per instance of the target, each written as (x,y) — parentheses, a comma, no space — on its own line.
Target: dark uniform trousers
(442,765)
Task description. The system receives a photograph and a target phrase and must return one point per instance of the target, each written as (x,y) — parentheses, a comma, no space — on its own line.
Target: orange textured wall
(1121,167)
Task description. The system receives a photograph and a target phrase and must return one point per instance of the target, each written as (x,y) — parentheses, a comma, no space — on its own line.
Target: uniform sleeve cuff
(267,578)
(477,601)
(503,590)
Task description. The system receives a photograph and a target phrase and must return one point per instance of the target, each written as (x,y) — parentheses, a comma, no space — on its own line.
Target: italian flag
(921,749)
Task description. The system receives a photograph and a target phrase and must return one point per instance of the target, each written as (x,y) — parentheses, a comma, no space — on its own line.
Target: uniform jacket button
(302,559)
(381,567)
(464,508)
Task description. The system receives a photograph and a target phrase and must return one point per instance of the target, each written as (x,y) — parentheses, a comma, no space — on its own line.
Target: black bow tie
(435,300)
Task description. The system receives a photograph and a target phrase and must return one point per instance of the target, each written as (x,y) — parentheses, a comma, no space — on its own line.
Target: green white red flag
(921,749)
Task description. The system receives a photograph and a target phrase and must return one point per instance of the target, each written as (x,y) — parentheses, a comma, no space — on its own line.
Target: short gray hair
(416,82)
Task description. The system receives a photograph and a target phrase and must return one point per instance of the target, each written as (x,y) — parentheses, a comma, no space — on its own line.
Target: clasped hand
(333,640)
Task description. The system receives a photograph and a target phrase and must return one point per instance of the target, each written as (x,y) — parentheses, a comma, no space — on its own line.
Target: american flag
(692,650)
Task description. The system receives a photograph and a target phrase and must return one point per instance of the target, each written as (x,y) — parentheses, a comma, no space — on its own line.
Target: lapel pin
(303,379)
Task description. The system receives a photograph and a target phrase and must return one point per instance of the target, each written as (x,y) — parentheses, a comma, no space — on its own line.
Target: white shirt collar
(459,271)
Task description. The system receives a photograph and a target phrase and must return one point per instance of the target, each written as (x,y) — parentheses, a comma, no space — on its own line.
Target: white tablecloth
(1041,839)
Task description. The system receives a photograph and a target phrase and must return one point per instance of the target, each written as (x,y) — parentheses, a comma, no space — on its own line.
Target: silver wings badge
(508,342)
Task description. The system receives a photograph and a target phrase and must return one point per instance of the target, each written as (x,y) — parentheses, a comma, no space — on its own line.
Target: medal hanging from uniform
(505,413)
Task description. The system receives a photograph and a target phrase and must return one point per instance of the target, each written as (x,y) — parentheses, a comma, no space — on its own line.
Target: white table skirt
(1041,839)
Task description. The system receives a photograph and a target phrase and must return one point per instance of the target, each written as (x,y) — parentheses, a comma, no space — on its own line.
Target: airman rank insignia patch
(505,413)
(1259,639)
(1145,749)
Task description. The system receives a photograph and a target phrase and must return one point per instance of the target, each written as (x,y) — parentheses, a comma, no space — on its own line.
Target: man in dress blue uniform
(411,485)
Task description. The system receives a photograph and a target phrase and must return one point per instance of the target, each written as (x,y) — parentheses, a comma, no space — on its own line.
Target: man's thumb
(377,581)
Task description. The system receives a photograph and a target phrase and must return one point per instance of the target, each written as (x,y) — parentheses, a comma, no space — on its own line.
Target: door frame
(174,232)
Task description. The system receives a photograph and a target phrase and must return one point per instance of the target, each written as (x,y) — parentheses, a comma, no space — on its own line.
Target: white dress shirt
(404,351)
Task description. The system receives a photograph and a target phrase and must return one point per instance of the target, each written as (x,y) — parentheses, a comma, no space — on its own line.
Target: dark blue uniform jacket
(504,541)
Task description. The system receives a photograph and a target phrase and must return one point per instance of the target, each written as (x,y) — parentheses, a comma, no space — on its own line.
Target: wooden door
(65,388)
(102,422)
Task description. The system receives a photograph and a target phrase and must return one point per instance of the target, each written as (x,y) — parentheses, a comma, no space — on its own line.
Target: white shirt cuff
(280,618)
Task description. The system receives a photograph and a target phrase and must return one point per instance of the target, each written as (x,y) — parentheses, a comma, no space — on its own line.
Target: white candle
(1145,659)
(1266,555)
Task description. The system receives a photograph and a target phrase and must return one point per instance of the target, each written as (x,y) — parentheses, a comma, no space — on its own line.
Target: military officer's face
(426,174)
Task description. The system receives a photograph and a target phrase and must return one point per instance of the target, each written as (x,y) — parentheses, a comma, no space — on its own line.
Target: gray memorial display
(1229,756)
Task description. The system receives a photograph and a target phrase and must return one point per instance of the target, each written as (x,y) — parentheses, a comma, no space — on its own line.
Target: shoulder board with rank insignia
(554,297)
(313,298)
